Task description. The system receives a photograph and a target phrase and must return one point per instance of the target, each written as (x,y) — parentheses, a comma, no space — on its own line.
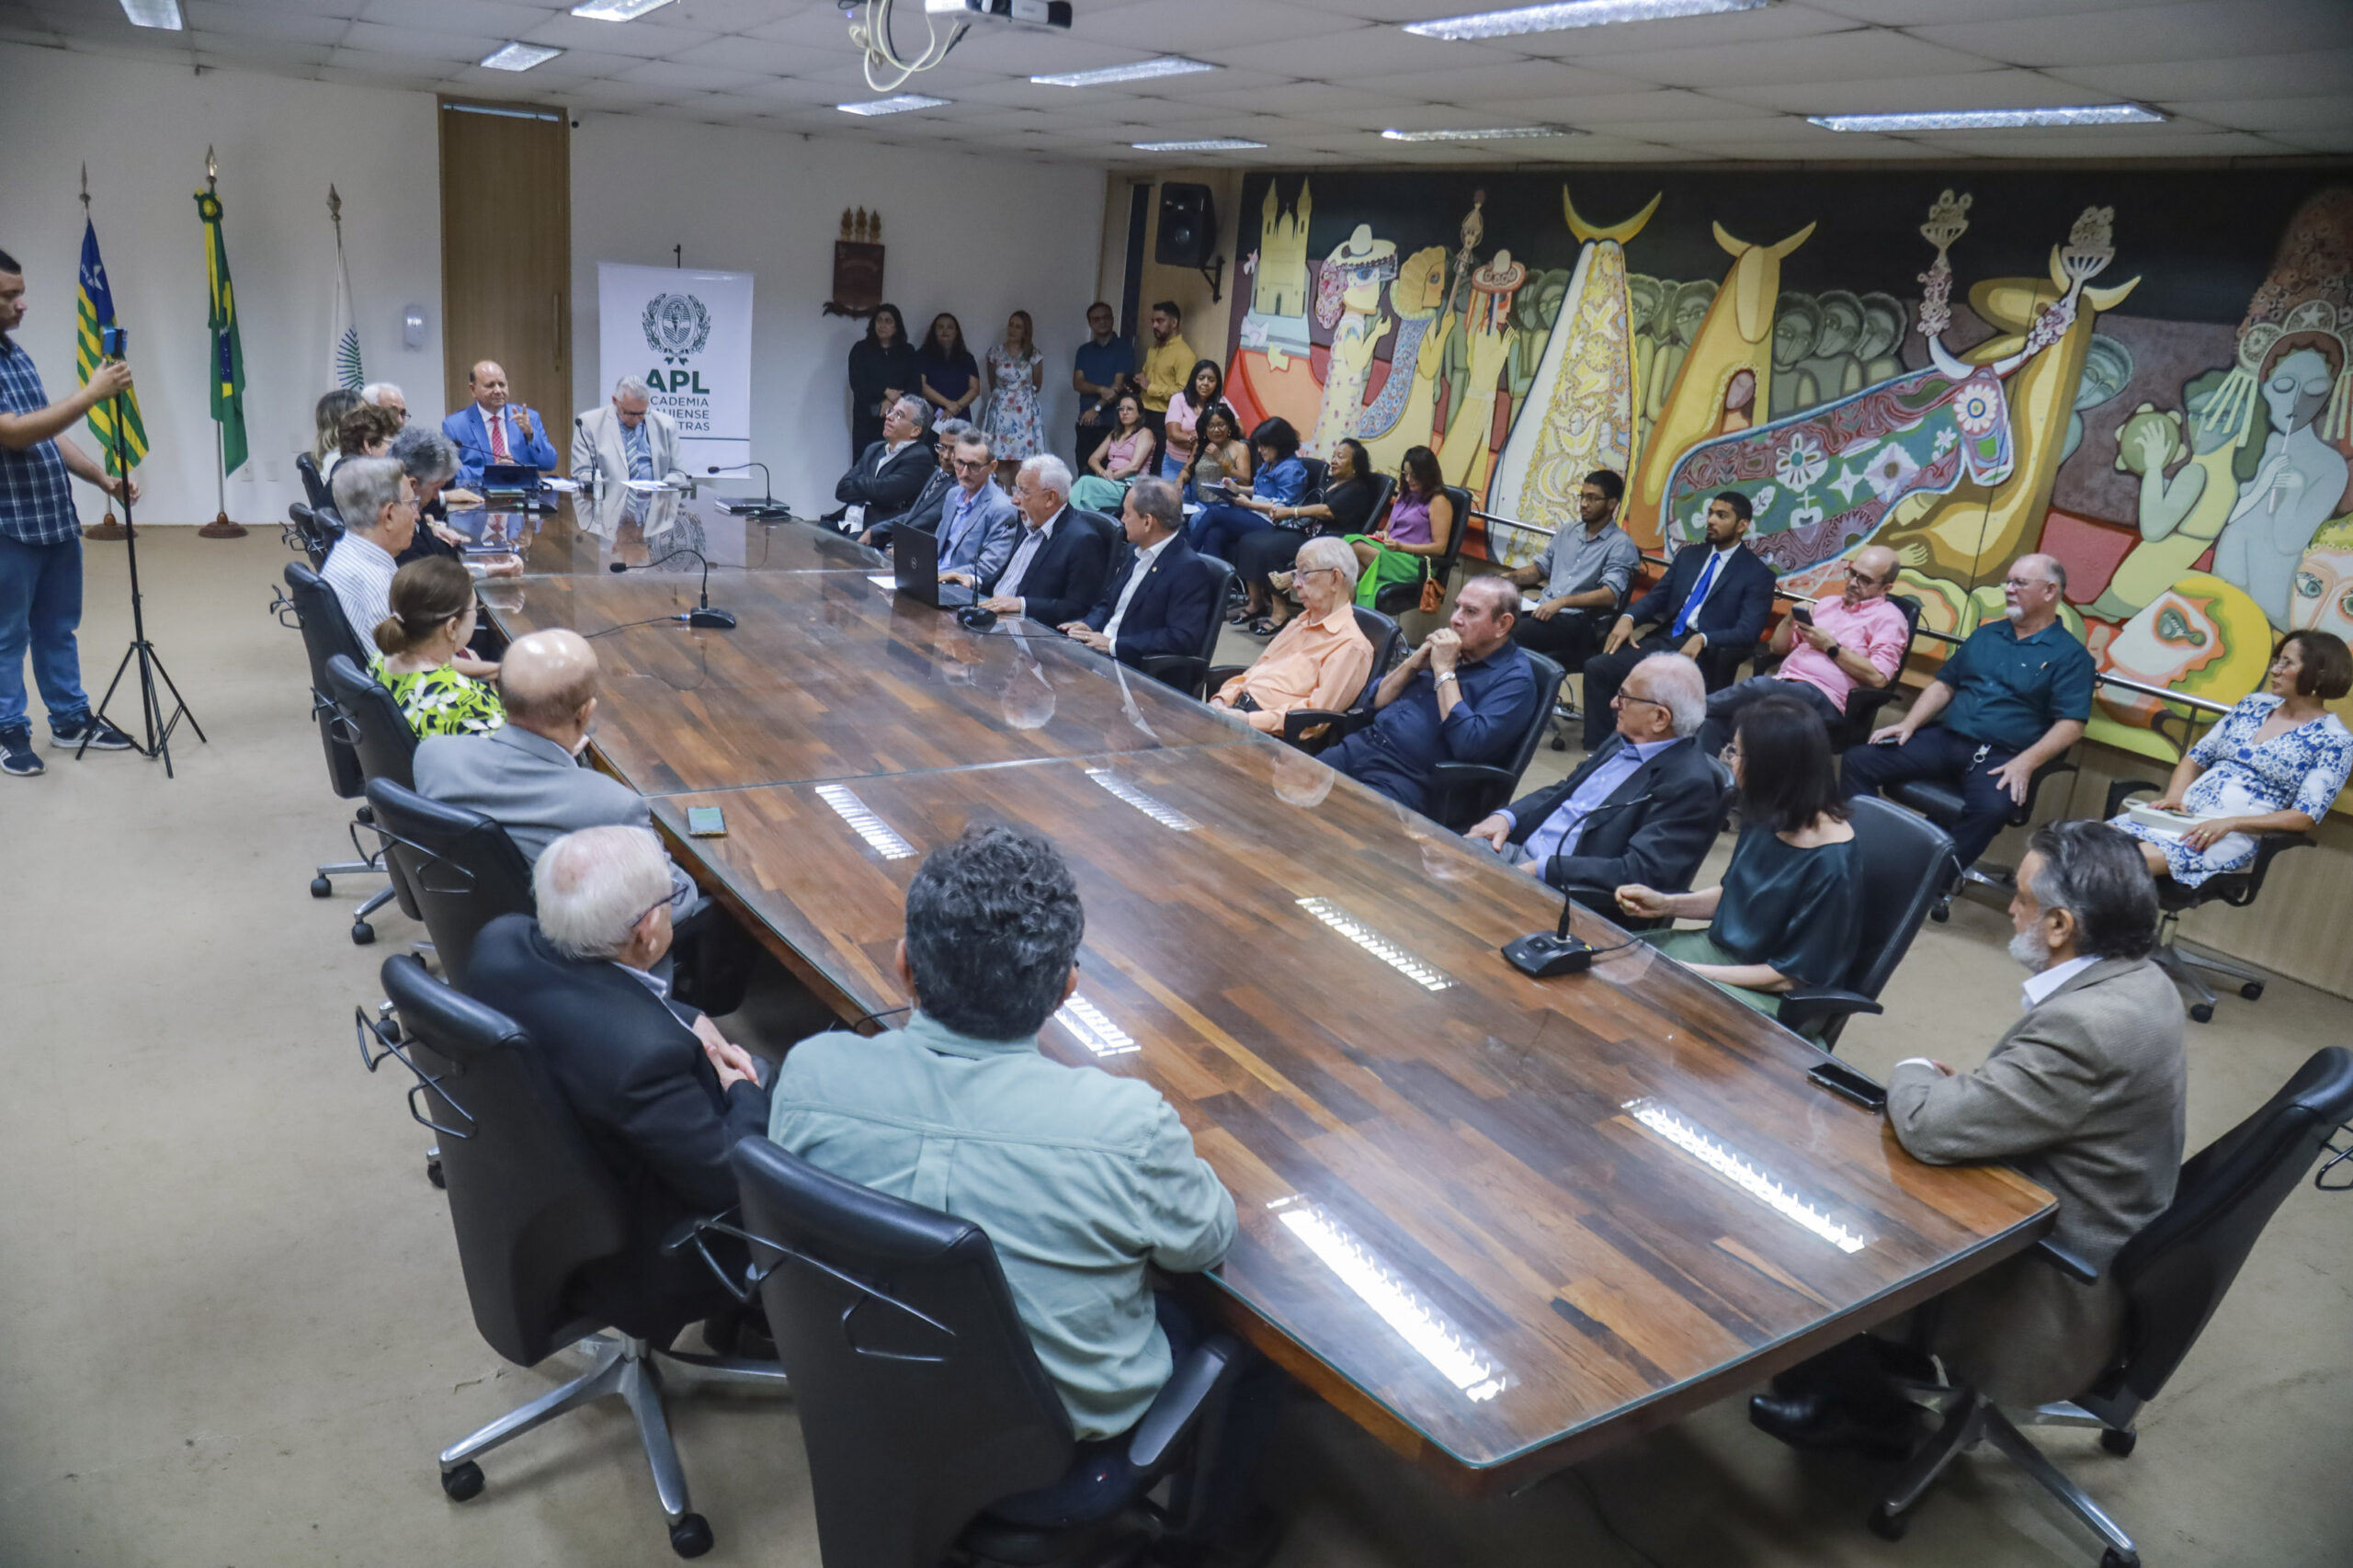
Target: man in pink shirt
(1856,639)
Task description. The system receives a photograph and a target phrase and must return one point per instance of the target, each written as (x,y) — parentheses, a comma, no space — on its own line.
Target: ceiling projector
(1021,13)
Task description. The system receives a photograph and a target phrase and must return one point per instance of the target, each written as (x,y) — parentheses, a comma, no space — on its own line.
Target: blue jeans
(1216,529)
(40,604)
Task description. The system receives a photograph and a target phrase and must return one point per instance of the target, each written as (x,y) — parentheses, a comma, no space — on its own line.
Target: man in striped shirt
(41,543)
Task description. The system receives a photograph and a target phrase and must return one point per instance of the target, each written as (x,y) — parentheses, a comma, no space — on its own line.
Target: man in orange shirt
(1320,659)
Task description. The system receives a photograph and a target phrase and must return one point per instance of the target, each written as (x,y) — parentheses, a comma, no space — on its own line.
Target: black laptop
(914,559)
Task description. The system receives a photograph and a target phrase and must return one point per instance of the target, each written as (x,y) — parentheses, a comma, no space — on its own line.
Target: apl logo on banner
(687,336)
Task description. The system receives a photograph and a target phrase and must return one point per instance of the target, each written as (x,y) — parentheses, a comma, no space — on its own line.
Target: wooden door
(507,255)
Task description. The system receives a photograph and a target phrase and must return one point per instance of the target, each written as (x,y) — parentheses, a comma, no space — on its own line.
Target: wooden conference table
(1502,1224)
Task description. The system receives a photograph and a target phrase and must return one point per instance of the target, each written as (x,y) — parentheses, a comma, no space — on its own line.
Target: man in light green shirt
(1079,1177)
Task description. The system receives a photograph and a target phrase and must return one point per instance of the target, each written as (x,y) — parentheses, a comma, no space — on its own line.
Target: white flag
(342,344)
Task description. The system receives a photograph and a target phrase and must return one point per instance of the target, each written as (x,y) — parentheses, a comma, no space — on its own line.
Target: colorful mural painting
(1965,365)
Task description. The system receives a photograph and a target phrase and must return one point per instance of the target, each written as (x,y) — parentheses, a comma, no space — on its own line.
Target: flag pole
(109,527)
(220,527)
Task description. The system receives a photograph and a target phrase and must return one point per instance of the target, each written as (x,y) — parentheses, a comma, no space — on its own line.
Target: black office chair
(314,484)
(2174,1274)
(1319,475)
(316,531)
(463,869)
(1462,792)
(1190,672)
(1941,803)
(2238,888)
(1399,597)
(1903,864)
(1388,642)
(318,616)
(544,1237)
(921,1400)
(368,718)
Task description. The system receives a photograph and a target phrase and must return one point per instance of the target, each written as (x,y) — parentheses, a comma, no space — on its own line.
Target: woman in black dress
(946,374)
(881,370)
(1263,559)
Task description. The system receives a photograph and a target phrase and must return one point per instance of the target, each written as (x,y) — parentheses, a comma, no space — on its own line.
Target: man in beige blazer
(2085,1096)
(631,439)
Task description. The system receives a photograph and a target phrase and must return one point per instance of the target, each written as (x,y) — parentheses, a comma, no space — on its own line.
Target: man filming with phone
(1829,649)
(41,543)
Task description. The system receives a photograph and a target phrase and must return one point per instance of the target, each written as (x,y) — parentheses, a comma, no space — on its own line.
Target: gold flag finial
(85,190)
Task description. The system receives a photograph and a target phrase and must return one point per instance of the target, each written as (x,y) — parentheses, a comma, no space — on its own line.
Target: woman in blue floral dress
(2274,763)
(1017,373)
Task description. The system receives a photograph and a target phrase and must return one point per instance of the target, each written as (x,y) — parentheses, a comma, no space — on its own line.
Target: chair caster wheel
(322,888)
(1886,1524)
(1941,913)
(464,1483)
(2252,991)
(690,1536)
(433,1172)
(2112,1558)
(362,933)
(2203,1012)
(2121,1444)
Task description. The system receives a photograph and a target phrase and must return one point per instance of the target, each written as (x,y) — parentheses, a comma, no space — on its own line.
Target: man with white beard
(2085,1096)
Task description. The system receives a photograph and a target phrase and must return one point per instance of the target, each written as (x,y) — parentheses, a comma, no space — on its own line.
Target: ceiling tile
(1629,108)
(738,53)
(2101,141)
(1509,79)
(265,54)
(1362,51)
(1835,57)
(1210,29)
(1740,28)
(2328,112)
(416,43)
(470,16)
(680,78)
(1975,89)
(2202,30)
(210,20)
(1923,12)
(2222,75)
(632,39)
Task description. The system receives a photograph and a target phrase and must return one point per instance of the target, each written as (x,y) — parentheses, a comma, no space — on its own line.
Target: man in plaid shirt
(41,543)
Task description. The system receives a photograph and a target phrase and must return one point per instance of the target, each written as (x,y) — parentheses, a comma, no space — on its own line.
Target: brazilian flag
(94,312)
(227,357)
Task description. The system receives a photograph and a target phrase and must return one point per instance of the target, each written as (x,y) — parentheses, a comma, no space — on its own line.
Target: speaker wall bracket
(1215,272)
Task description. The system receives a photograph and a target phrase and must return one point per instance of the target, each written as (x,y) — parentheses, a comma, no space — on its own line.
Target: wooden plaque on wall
(858,279)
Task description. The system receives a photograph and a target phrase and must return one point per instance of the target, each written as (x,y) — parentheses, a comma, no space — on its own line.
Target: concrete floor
(236,1334)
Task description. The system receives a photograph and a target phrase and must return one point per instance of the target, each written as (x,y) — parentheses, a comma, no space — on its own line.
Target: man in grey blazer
(2085,1096)
(631,439)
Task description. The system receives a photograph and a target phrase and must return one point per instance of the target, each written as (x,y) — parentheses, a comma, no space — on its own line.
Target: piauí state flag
(343,345)
(228,357)
(93,313)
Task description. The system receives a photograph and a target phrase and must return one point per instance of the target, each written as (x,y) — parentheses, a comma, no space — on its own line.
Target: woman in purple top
(1421,520)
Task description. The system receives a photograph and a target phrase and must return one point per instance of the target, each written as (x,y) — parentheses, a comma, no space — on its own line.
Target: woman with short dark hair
(366,432)
(2273,764)
(1787,913)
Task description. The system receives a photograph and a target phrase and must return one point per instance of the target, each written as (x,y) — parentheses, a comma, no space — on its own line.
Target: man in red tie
(492,430)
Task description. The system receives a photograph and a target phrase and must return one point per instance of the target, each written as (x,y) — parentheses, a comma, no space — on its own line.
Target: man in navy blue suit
(1160,598)
(492,430)
(1711,607)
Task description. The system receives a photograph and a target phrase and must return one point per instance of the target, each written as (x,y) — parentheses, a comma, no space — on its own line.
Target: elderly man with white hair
(1321,658)
(1642,809)
(1063,556)
(630,439)
(891,472)
(384,394)
(660,1093)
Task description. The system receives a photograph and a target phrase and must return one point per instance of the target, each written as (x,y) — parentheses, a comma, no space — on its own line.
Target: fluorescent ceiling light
(164,14)
(1213,144)
(1992,118)
(1166,65)
(1573,14)
(1500,134)
(617,10)
(898,105)
(520,57)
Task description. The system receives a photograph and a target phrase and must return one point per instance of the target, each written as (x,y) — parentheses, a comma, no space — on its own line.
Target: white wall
(980,237)
(142,127)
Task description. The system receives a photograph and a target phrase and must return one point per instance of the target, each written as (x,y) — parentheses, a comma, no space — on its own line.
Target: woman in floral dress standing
(1017,373)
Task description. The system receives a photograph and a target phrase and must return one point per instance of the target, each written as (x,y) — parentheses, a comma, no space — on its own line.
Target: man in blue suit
(492,430)
(1160,597)
(1711,607)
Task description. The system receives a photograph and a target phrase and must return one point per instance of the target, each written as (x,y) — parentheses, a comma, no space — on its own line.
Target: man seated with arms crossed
(1583,573)
(630,439)
(1059,564)
(923,512)
(1467,694)
(2085,1097)
(891,472)
(2013,697)
(978,526)
(1856,639)
(377,501)
(1321,658)
(660,1093)
(1158,598)
(1083,1181)
(1711,607)
(492,430)
(1641,807)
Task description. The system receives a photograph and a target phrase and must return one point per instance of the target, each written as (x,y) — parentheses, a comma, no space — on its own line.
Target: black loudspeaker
(1187,226)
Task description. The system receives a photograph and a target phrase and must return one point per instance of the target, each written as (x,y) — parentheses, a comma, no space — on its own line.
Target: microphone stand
(702,615)
(767,507)
(154,725)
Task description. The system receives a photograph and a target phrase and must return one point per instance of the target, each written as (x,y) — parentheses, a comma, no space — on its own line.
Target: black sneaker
(16,753)
(103,736)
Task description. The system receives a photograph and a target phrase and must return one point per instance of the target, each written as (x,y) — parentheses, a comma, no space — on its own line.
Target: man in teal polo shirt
(2013,697)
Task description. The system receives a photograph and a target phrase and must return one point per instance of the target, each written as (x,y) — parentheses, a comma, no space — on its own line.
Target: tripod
(156,727)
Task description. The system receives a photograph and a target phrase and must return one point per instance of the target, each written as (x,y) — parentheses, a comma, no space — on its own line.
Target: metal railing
(2199,705)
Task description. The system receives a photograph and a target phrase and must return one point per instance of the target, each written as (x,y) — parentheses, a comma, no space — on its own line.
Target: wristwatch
(1448,674)
(1833,651)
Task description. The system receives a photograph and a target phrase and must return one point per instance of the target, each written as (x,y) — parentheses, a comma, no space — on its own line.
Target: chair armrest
(1451,780)
(1183,671)
(1219,674)
(1297,722)
(1176,1410)
(2066,1262)
(1818,1005)
(2269,846)
(2124,789)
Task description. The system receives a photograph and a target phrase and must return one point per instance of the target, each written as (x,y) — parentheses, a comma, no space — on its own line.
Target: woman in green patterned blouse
(433,617)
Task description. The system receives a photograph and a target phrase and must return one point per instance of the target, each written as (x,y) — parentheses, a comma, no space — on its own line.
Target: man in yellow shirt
(1165,365)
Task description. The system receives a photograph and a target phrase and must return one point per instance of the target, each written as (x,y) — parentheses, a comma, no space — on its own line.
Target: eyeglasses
(1629,696)
(1865,578)
(971,465)
(2021,584)
(668,899)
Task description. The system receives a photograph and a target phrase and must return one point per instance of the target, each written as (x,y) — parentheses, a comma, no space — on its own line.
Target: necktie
(498,436)
(1699,592)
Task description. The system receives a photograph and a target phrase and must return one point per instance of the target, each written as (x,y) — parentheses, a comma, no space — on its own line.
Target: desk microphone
(768,501)
(702,615)
(1543,954)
